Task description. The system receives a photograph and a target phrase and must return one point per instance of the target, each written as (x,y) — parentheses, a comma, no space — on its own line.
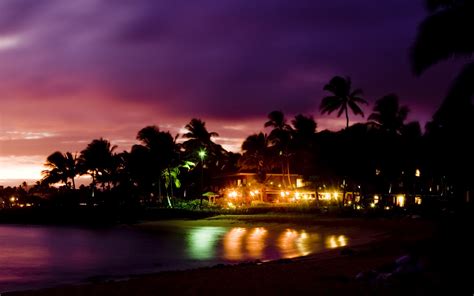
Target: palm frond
(355,108)
(356,93)
(445,34)
(375,117)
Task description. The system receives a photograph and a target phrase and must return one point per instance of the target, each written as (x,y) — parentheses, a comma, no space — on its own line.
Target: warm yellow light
(287,244)
(327,195)
(232,194)
(417,173)
(335,194)
(372,205)
(342,240)
(400,200)
(376,199)
(233,243)
(333,242)
(418,200)
(358,207)
(299,183)
(252,193)
(282,194)
(256,242)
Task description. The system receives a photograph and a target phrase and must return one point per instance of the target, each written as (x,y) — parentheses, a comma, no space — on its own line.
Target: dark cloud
(221,60)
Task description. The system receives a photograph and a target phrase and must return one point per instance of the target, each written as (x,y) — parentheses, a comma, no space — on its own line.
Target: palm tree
(171,176)
(303,140)
(257,155)
(304,125)
(280,139)
(197,131)
(162,151)
(98,161)
(447,33)
(61,168)
(199,147)
(389,115)
(199,138)
(342,99)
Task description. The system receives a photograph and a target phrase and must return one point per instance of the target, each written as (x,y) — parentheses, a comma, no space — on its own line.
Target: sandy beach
(366,268)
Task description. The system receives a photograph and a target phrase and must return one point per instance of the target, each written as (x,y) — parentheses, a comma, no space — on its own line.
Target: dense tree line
(383,154)
(380,155)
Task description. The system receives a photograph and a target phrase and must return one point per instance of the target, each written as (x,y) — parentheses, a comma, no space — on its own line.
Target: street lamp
(202,154)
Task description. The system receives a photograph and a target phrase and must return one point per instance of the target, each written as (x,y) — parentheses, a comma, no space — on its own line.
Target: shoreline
(333,270)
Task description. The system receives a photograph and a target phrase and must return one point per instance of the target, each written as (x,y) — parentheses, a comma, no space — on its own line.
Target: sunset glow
(125,72)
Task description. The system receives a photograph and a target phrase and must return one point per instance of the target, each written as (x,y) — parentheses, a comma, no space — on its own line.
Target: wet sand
(329,273)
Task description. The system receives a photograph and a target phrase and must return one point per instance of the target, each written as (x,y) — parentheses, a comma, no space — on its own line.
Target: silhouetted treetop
(197,130)
(388,114)
(304,124)
(447,32)
(342,99)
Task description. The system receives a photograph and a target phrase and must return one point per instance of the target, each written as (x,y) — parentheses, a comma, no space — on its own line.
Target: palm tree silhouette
(280,139)
(200,148)
(198,138)
(97,160)
(257,155)
(162,151)
(447,33)
(389,115)
(62,167)
(303,142)
(304,125)
(197,131)
(342,99)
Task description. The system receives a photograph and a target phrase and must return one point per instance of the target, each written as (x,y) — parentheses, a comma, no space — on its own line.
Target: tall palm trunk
(159,188)
(93,175)
(347,118)
(283,173)
(288,171)
(171,188)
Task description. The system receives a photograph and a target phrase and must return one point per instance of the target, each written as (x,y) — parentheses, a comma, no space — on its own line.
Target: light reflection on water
(256,242)
(240,243)
(202,242)
(33,257)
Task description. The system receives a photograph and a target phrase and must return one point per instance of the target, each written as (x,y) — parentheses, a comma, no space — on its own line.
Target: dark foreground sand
(434,255)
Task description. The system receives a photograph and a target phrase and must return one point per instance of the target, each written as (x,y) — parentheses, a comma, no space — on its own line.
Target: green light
(202,241)
(202,153)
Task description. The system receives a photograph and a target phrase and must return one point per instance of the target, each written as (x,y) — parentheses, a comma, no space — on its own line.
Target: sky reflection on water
(38,256)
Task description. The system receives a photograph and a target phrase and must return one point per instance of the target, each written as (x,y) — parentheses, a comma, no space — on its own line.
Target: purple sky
(71,71)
